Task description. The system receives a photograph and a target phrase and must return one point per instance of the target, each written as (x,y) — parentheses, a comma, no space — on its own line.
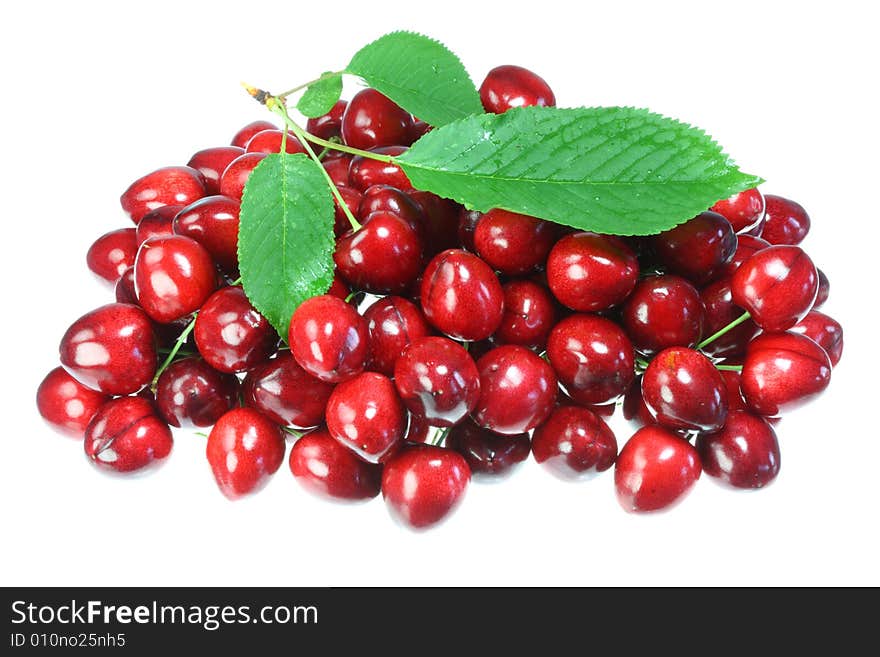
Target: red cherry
(393,323)
(230,334)
(337,168)
(574,443)
(364,172)
(211,163)
(112,253)
(419,129)
(328,338)
(824,289)
(663,311)
(514,86)
(440,221)
(418,431)
(126,435)
(744,210)
(747,246)
(489,455)
(213,223)
(735,401)
(529,315)
(744,454)
(269,141)
(352,199)
(235,176)
(243,136)
(67,404)
(699,248)
(158,223)
(383,198)
(167,186)
(513,243)
(326,468)
(372,120)
(825,331)
(634,408)
(786,221)
(721,311)
(328,125)
(467,226)
(191,393)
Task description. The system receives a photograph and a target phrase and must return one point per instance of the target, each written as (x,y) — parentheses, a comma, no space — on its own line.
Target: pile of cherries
(452,343)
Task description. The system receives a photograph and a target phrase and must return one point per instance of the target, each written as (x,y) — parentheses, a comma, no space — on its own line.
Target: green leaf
(614,170)
(321,96)
(285,236)
(421,75)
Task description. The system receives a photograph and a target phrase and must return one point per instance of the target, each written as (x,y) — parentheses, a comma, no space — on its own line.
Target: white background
(97,94)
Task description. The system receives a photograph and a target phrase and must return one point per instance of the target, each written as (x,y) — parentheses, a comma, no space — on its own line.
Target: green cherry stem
(729,368)
(717,334)
(440,436)
(337,146)
(324,76)
(181,340)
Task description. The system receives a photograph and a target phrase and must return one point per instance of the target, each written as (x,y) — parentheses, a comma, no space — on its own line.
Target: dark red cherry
(744,210)
(514,86)
(340,290)
(461,296)
(329,339)
(574,443)
(372,120)
(269,141)
(158,223)
(126,435)
(663,311)
(191,393)
(366,415)
(382,198)
(337,168)
(230,334)
(513,243)
(124,288)
(467,226)
(67,404)
(697,249)
(655,470)
(744,454)
(517,390)
(721,311)
(393,323)
(593,358)
(352,199)
(326,468)
(589,272)
(328,125)
(235,176)
(213,223)
(825,331)
(777,285)
(365,172)
(423,484)
(747,246)
(111,349)
(244,450)
(684,391)
(112,253)
(786,221)
(440,221)
(243,136)
(735,401)
(824,289)
(212,162)
(418,430)
(529,315)
(488,454)
(634,408)
(166,186)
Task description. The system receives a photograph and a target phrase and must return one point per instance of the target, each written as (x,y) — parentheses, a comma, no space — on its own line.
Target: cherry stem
(181,339)
(717,334)
(293,432)
(440,437)
(324,76)
(729,368)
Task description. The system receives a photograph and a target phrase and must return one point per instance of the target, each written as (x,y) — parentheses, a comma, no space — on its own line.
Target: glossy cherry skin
(777,285)
(744,454)
(384,198)
(634,408)
(67,404)
(244,450)
(326,468)
(825,331)
(372,120)
(513,243)
(329,339)
(517,390)
(111,349)
(574,443)
(158,223)
(419,129)
(440,221)
(489,455)
(589,272)
(786,221)
(243,136)
(393,323)
(352,199)
(126,435)
(328,125)
(529,315)
(173,277)
(461,296)
(112,253)
(735,401)
(269,141)
(213,223)
(721,311)
(366,415)
(655,470)
(337,168)
(744,210)
(697,249)
(593,358)
(423,484)
(467,226)
(235,176)
(166,186)
(663,311)
(781,371)
(191,393)
(285,393)
(514,86)
(747,246)
(683,390)
(437,380)
(384,255)
(212,162)
(364,172)
(230,334)
(824,289)
(418,430)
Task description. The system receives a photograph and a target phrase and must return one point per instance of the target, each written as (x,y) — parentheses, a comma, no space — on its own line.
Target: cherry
(326,468)
(230,334)
(285,393)
(243,136)
(191,393)
(697,249)
(126,435)
(721,311)
(513,243)
(235,176)
(212,162)
(824,331)
(684,391)
(372,120)
(824,289)
(352,199)
(655,470)
(340,290)
(244,450)
(328,338)
(213,223)
(589,272)
(423,484)
(157,223)
(593,358)
(781,371)
(461,295)
(786,221)
(328,125)
(489,455)
(67,404)
(467,226)
(777,285)
(663,311)
(735,401)
(517,390)
(440,221)
(366,415)
(744,210)
(634,408)
(269,141)
(112,253)
(111,349)
(529,315)
(418,431)
(166,186)
(173,276)
(383,198)
(365,172)
(747,246)
(514,86)
(574,443)
(393,323)
(419,129)
(337,168)
(744,454)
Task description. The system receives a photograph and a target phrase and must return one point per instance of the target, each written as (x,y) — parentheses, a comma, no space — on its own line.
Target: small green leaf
(421,75)
(614,170)
(285,236)
(320,97)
